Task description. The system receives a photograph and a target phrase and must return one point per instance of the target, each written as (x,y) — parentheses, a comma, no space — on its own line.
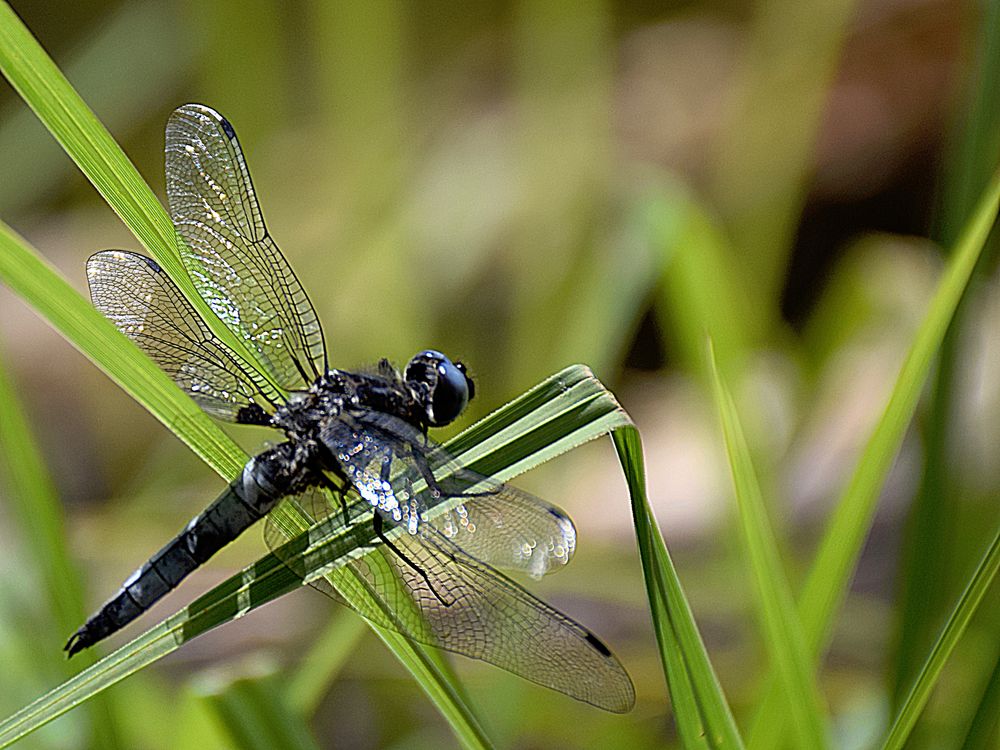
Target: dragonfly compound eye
(448,387)
(362,434)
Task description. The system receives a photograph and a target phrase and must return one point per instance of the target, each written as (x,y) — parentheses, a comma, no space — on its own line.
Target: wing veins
(225,242)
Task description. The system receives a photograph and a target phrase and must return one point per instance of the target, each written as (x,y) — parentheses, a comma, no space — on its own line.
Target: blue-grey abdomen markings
(264,481)
(457,600)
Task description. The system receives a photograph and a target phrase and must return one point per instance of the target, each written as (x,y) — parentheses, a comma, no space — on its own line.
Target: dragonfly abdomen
(262,483)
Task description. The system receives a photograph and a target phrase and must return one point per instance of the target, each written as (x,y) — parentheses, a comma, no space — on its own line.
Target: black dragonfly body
(438,530)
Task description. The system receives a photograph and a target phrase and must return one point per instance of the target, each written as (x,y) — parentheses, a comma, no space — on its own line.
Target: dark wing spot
(152,264)
(593,641)
(227,128)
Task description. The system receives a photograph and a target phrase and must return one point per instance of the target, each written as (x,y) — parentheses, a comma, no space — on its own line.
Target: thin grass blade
(42,287)
(828,579)
(439,682)
(983,729)
(46,90)
(569,408)
(927,678)
(931,545)
(32,498)
(88,143)
(673,621)
(781,628)
(119,42)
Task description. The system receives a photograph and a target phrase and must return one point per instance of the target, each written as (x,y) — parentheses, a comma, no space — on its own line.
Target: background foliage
(528,185)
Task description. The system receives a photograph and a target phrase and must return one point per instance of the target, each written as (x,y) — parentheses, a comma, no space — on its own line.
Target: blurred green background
(527,185)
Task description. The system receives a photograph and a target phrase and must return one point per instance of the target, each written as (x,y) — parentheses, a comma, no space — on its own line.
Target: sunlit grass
(709,270)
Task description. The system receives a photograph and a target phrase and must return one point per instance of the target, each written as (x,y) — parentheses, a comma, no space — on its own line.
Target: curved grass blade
(42,85)
(42,287)
(59,107)
(89,144)
(46,90)
(565,410)
(982,731)
(967,604)
(828,579)
(35,504)
(782,630)
(119,42)
(693,684)
(930,546)
(253,711)
(258,584)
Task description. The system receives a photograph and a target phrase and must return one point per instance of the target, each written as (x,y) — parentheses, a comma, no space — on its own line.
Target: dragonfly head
(443,387)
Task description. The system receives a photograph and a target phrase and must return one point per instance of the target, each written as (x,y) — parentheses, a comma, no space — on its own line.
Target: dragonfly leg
(377,524)
(432,483)
(337,490)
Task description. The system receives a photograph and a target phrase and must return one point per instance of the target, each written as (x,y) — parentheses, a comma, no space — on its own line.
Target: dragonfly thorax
(426,564)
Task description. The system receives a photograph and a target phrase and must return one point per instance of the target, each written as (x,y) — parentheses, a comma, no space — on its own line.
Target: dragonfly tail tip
(75,644)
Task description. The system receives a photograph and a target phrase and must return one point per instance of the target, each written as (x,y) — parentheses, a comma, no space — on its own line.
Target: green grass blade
(35,505)
(558,414)
(35,76)
(38,80)
(931,545)
(43,288)
(260,583)
(953,629)
(59,107)
(88,143)
(974,143)
(690,726)
(829,577)
(44,88)
(323,662)
(983,729)
(782,630)
(569,408)
(119,42)
(32,498)
(254,714)
(673,622)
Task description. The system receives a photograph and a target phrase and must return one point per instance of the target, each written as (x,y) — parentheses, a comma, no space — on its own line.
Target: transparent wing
(431,590)
(406,476)
(438,585)
(510,529)
(137,296)
(444,597)
(226,249)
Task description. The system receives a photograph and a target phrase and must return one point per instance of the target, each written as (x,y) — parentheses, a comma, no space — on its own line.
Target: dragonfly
(424,537)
